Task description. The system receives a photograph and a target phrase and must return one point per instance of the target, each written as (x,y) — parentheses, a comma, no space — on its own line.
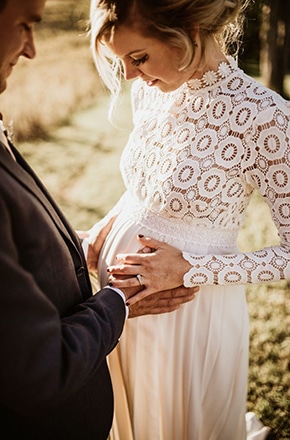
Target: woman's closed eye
(140,61)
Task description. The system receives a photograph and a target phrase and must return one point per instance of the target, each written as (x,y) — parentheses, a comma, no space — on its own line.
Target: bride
(205,137)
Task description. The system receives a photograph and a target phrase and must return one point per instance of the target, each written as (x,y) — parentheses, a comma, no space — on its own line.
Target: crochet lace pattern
(193,160)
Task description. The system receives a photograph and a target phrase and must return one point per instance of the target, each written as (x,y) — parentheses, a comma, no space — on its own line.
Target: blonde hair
(173,21)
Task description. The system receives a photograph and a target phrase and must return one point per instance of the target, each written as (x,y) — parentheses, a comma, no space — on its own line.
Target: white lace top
(195,156)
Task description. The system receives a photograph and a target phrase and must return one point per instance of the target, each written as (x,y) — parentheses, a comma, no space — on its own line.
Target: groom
(54,334)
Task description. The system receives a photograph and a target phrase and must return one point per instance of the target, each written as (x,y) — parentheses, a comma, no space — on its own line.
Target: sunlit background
(56,109)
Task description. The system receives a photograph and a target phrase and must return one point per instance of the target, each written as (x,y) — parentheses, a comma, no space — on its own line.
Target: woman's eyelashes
(140,61)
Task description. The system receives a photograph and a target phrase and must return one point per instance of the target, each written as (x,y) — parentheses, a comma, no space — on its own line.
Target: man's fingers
(181,291)
(134,311)
(163,302)
(180,295)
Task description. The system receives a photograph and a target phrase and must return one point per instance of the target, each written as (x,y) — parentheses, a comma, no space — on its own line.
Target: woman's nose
(130,71)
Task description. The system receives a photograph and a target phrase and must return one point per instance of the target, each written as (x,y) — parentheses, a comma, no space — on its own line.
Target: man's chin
(3,85)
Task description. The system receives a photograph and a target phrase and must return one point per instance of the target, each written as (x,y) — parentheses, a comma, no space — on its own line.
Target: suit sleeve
(46,357)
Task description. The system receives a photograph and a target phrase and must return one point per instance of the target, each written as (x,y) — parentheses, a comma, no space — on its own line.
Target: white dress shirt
(3,138)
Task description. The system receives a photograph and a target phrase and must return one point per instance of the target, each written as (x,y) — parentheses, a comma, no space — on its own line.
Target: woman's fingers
(162,269)
(150,242)
(148,246)
(122,283)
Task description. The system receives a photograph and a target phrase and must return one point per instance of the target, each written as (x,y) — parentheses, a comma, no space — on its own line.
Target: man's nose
(29,50)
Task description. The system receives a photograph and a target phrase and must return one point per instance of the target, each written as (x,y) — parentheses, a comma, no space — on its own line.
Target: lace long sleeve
(265,166)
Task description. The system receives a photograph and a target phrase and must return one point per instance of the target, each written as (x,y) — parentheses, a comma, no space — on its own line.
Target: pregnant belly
(121,239)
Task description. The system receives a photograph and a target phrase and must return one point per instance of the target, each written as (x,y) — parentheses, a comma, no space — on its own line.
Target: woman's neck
(209,60)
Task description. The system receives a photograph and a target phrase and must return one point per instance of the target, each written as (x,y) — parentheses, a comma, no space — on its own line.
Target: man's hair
(3,4)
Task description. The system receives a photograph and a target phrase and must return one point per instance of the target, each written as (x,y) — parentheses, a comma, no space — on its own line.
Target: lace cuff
(269,264)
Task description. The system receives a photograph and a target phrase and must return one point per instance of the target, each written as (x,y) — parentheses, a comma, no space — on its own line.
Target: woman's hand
(161,269)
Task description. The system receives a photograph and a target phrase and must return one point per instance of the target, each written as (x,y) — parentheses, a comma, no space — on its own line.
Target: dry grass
(45,92)
(269,310)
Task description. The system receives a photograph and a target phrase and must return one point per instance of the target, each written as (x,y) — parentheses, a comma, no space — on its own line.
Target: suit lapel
(21,171)
(27,177)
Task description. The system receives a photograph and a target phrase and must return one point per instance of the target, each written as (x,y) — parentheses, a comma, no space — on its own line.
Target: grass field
(61,80)
(59,109)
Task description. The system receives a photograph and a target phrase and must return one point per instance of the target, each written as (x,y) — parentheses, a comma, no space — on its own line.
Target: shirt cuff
(122,295)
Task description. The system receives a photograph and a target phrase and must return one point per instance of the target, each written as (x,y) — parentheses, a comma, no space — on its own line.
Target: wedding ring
(139,278)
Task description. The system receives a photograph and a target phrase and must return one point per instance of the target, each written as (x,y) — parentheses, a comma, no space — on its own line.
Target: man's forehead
(31,9)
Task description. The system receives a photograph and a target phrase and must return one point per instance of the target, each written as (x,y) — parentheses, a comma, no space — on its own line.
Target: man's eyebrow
(35,18)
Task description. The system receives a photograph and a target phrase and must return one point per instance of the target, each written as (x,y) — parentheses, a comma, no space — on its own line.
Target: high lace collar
(211,77)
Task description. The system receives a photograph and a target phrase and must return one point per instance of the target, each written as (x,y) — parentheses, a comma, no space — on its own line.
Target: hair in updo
(173,21)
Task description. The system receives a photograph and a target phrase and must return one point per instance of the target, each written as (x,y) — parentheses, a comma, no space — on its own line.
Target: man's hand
(96,244)
(163,302)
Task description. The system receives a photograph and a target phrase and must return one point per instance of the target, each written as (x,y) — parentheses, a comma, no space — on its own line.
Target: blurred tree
(249,55)
(66,15)
(275,43)
(266,49)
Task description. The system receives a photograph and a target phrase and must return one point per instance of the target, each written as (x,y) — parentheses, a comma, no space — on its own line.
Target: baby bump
(121,239)
(136,220)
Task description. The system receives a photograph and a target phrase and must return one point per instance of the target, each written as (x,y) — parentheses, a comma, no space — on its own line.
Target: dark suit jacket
(54,380)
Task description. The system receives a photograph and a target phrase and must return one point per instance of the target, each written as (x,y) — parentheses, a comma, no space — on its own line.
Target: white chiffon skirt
(181,375)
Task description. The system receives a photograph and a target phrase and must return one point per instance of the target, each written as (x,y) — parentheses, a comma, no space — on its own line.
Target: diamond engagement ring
(139,278)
